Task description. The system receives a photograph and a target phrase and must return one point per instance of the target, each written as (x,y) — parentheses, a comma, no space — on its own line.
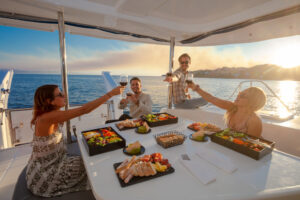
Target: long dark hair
(42,98)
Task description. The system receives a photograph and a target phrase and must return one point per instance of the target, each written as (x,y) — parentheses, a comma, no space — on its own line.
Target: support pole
(64,77)
(171,62)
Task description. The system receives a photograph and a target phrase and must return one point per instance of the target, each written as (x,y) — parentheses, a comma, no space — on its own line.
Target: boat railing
(264,114)
(270,93)
(12,129)
(273,94)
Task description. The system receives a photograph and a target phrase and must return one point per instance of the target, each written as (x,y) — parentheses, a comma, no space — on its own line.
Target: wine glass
(123,82)
(189,78)
(169,74)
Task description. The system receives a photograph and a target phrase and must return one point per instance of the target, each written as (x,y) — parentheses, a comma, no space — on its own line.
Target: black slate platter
(138,179)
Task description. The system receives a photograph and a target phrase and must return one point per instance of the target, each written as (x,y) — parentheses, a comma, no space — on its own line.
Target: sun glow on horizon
(286,55)
(287,94)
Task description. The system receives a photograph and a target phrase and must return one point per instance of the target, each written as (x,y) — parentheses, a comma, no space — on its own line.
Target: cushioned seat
(22,193)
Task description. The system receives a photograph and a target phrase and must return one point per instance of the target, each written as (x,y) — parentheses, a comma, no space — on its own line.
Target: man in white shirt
(139,103)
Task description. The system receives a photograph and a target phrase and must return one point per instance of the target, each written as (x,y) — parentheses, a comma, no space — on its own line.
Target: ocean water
(84,88)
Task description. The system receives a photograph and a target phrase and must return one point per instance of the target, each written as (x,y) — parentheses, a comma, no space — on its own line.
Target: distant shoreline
(259,72)
(248,78)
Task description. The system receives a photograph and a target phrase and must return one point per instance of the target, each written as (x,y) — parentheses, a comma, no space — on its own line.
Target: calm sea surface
(83,88)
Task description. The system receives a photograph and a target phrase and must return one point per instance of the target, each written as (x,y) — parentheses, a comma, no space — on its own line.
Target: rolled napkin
(200,171)
(217,159)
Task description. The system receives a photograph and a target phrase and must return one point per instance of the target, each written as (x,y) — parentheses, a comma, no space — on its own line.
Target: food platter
(102,140)
(129,124)
(170,138)
(142,169)
(243,143)
(138,179)
(159,119)
(206,127)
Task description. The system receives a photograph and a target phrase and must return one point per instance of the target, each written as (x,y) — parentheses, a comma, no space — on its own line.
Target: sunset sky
(38,51)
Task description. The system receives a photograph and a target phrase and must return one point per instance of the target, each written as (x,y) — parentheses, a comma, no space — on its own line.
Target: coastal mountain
(263,72)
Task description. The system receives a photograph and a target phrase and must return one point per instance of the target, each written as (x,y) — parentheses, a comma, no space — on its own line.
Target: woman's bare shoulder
(42,126)
(254,125)
(255,118)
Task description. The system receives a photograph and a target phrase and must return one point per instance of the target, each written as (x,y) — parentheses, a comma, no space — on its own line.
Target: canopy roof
(191,22)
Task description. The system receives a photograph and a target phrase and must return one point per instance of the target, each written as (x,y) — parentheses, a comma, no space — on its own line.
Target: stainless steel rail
(64,69)
(263,83)
(171,64)
(12,130)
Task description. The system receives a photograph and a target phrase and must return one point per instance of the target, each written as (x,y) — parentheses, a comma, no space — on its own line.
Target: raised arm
(174,78)
(62,116)
(224,104)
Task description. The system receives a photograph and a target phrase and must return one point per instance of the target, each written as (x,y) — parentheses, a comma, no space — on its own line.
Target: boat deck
(13,160)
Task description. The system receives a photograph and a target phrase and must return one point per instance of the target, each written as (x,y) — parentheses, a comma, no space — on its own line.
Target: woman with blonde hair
(50,172)
(240,115)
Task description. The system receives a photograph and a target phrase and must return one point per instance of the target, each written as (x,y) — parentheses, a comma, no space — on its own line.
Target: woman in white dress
(50,172)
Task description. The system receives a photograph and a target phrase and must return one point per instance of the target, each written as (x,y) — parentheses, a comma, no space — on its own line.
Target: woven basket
(172,142)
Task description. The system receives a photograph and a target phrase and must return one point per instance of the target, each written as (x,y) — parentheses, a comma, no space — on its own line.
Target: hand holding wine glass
(168,77)
(117,90)
(123,82)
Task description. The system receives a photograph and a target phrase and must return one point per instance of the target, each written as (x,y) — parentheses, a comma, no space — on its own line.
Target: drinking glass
(189,78)
(169,74)
(123,82)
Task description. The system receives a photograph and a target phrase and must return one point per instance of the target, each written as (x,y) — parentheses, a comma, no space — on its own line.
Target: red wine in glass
(189,78)
(123,83)
(169,74)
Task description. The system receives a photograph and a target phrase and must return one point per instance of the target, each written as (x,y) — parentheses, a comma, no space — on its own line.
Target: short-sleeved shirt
(178,87)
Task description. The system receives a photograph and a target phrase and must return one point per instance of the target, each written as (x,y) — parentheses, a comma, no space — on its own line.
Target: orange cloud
(144,59)
(154,59)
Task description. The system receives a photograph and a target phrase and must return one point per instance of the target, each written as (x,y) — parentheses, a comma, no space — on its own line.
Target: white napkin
(204,174)
(217,159)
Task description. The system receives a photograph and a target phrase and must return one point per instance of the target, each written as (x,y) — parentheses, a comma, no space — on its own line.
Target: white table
(275,175)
